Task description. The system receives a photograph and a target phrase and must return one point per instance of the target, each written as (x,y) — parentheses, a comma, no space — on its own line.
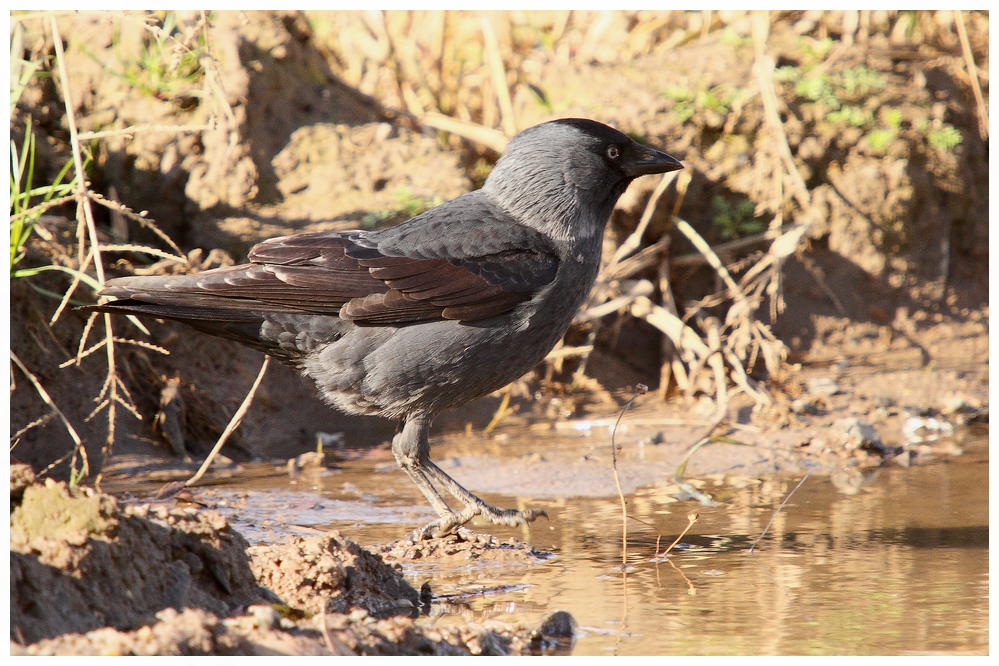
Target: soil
(886,323)
(90,575)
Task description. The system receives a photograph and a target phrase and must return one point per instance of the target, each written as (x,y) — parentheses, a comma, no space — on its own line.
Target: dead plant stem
(976,88)
(635,239)
(237,418)
(497,71)
(84,207)
(640,389)
(78,443)
(691,519)
(72,287)
(771,522)
(137,129)
(763,70)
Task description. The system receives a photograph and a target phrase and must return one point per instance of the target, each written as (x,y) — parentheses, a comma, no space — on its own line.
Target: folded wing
(425,270)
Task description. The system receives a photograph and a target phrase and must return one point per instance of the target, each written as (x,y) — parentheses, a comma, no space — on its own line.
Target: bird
(444,308)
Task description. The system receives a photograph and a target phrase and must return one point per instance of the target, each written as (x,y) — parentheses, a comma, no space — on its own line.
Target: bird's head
(563,177)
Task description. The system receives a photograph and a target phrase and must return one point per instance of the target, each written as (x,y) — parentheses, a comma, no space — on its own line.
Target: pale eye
(613,152)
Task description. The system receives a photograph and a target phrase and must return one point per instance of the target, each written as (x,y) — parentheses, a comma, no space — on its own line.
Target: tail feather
(177,299)
(185,313)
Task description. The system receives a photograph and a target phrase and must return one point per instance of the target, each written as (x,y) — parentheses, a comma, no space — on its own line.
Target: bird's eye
(613,152)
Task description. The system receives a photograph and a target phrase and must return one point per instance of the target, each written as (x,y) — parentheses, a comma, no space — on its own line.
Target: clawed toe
(453,523)
(512,517)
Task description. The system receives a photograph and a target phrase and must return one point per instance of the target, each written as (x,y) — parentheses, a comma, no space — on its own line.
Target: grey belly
(426,367)
(393,372)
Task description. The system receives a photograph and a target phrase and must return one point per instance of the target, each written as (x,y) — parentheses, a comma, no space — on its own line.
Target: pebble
(801,406)
(822,386)
(264,616)
(926,429)
(859,434)
(953,404)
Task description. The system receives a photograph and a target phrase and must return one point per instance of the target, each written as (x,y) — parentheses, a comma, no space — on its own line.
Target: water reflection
(900,567)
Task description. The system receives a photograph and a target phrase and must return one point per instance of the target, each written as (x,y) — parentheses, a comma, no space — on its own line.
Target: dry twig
(976,88)
(78,447)
(771,521)
(640,389)
(237,418)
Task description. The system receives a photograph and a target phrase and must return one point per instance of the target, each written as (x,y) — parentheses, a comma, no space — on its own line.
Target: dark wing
(466,289)
(466,262)
(310,274)
(467,257)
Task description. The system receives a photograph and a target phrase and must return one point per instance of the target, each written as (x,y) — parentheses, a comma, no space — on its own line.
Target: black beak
(641,161)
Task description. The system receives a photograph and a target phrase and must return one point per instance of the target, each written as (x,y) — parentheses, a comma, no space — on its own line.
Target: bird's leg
(411,448)
(475,506)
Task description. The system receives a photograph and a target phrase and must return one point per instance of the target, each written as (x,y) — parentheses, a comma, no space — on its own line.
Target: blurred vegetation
(735,220)
(407,205)
(169,63)
(27,203)
(27,199)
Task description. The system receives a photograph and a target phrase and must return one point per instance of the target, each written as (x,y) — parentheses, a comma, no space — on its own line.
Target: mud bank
(92,576)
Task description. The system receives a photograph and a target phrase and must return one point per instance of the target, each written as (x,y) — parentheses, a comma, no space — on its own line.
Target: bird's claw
(453,523)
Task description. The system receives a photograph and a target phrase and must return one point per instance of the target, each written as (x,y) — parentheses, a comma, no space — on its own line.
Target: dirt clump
(79,561)
(331,573)
(462,548)
(189,632)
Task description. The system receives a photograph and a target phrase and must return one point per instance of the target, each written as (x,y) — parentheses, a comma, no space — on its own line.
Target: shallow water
(899,568)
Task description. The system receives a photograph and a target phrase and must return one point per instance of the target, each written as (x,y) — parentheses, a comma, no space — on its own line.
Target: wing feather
(428,269)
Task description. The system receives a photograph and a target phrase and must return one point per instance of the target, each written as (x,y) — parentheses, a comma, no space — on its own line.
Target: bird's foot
(453,523)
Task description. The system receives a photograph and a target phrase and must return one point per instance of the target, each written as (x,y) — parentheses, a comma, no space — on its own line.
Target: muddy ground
(90,575)
(886,320)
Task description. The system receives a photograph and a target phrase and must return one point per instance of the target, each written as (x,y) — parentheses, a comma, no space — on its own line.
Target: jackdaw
(432,313)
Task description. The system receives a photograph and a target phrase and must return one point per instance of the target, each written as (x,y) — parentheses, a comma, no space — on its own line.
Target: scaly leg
(407,447)
(411,448)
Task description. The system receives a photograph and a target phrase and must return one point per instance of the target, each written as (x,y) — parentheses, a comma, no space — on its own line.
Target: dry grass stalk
(640,389)
(15,438)
(78,448)
(129,132)
(77,278)
(498,73)
(772,517)
(490,138)
(691,519)
(237,418)
(763,71)
(634,240)
(501,411)
(42,207)
(976,88)
(85,215)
